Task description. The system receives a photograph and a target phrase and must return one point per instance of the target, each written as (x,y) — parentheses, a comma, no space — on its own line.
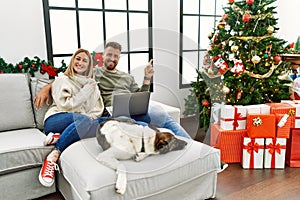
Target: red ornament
(277,59)
(292,45)
(239,95)
(205,103)
(246,17)
(20,66)
(230,1)
(249,2)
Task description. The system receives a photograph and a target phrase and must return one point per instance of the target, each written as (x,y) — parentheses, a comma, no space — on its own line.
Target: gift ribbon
(237,116)
(252,147)
(273,148)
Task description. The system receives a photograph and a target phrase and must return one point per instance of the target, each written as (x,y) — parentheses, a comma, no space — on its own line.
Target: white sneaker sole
(43,182)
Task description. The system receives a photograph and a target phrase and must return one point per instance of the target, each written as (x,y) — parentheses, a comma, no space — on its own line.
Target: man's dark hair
(114,45)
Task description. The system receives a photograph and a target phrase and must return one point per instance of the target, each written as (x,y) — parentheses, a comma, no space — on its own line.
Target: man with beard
(111,81)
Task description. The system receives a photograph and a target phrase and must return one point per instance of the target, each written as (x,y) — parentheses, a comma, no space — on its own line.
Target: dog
(122,139)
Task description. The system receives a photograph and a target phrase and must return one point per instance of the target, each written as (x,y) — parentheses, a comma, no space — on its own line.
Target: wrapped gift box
(261,125)
(283,125)
(275,153)
(292,156)
(296,105)
(233,117)
(229,142)
(253,153)
(258,109)
(283,108)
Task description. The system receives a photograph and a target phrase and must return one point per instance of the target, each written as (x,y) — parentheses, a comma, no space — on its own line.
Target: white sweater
(75,94)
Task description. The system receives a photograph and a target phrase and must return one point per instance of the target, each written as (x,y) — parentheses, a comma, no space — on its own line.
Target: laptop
(128,104)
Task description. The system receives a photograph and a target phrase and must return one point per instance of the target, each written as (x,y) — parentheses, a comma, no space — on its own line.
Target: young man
(110,81)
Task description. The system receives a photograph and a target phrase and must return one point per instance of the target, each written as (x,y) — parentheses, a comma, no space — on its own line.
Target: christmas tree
(243,64)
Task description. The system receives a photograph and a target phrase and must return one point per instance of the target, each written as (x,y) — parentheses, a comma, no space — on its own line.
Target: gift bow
(273,148)
(253,146)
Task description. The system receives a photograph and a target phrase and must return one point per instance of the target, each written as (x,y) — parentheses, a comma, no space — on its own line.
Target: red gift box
(229,142)
(284,131)
(292,156)
(261,125)
(283,108)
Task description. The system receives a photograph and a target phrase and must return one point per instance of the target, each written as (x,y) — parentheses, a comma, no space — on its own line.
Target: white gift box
(275,153)
(296,104)
(253,153)
(258,109)
(233,117)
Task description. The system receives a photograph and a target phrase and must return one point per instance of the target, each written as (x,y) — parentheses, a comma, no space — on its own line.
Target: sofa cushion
(92,180)
(22,149)
(15,102)
(36,84)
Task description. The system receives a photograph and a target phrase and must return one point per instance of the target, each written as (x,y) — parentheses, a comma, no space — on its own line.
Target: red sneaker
(51,138)
(46,176)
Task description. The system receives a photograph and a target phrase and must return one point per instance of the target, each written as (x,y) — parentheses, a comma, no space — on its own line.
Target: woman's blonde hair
(70,69)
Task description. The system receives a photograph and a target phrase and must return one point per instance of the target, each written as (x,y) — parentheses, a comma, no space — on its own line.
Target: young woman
(75,111)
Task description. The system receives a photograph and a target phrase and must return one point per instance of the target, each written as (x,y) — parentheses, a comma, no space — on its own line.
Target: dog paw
(140,156)
(121,183)
(137,157)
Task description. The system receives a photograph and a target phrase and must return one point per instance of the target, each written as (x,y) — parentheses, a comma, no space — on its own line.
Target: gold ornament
(210,71)
(234,48)
(255,59)
(270,29)
(225,90)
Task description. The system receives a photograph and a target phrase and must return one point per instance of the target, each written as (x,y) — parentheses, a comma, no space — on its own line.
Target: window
(90,24)
(197,19)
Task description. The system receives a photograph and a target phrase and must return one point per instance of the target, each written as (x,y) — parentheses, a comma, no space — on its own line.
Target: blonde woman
(75,111)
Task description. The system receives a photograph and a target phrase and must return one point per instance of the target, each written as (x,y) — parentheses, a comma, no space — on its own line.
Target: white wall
(22,34)
(22,30)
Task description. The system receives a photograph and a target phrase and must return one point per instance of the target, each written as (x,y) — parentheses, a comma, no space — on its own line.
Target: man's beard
(109,66)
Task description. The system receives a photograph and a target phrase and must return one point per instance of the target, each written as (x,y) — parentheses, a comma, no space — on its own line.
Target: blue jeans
(72,127)
(161,119)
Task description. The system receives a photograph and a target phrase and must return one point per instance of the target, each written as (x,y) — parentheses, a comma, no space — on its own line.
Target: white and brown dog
(123,139)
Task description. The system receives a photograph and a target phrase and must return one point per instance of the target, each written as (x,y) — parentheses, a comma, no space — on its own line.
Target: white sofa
(187,174)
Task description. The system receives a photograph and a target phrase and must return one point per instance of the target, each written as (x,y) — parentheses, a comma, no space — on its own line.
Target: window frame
(198,50)
(103,10)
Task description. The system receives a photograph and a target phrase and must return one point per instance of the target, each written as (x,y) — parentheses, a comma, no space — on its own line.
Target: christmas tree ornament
(231,57)
(246,17)
(277,59)
(238,67)
(270,29)
(221,25)
(266,55)
(256,59)
(205,103)
(231,1)
(252,89)
(210,71)
(225,90)
(239,95)
(221,65)
(234,48)
(249,2)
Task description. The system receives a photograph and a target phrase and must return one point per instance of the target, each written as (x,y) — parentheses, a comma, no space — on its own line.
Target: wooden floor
(236,183)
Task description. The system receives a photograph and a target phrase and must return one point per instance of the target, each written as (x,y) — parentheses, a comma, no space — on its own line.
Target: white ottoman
(187,174)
